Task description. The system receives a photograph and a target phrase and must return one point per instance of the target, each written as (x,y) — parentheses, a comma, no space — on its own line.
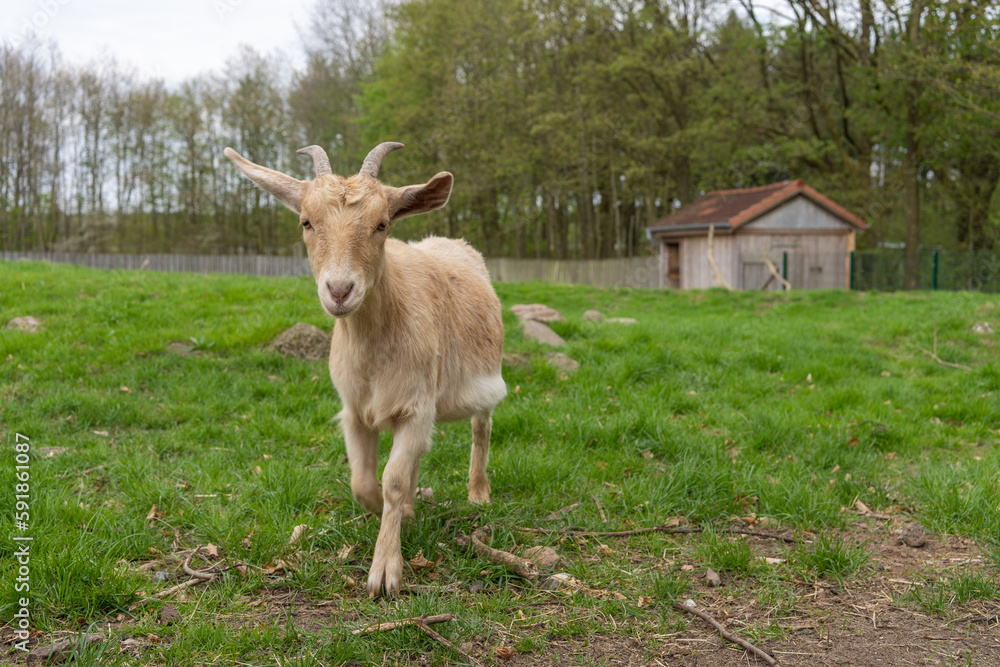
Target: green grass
(715,405)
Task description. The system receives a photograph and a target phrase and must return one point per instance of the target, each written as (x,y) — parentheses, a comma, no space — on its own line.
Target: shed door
(756,276)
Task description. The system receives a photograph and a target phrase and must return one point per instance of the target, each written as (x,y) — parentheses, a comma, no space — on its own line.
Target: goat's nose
(340,291)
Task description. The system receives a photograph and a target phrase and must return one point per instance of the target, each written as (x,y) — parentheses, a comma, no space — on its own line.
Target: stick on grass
(693,609)
(519,566)
(403,622)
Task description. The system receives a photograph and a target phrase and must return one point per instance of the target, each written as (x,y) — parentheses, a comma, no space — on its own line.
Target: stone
(544,558)
(518,361)
(169,615)
(537,312)
(622,320)
(593,316)
(537,331)
(61,651)
(303,341)
(912,536)
(712,577)
(27,323)
(563,582)
(978,327)
(562,361)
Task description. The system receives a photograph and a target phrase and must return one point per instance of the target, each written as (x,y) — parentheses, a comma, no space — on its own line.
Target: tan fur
(418,337)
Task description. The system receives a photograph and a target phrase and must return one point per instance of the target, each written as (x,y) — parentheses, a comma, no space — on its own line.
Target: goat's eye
(306,224)
(381,227)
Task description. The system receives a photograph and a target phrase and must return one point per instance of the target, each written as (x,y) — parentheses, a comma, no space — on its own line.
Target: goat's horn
(320,161)
(374,159)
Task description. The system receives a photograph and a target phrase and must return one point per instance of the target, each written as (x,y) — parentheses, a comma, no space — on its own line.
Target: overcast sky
(172,39)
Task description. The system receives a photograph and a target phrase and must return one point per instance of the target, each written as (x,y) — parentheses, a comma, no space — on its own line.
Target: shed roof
(730,209)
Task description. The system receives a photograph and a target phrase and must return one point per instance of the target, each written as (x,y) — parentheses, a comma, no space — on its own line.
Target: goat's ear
(415,199)
(288,190)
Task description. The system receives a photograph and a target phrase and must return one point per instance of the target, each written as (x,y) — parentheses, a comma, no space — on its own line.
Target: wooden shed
(787,228)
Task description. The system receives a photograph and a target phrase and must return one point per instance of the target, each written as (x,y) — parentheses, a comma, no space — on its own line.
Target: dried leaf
(298,532)
(152,514)
(503,652)
(687,568)
(344,551)
(605,550)
(418,562)
(862,509)
(773,561)
(125,390)
(212,550)
(644,601)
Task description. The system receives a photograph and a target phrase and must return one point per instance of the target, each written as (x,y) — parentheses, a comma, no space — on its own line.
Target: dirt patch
(867,620)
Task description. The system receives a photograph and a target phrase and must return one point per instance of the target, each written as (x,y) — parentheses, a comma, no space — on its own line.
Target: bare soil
(861,622)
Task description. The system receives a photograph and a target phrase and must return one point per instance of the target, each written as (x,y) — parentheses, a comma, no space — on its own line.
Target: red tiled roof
(732,208)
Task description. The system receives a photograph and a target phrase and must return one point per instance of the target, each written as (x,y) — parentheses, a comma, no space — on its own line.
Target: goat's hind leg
(362,455)
(479,481)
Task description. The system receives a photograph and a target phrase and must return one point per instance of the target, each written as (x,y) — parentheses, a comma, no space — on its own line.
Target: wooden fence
(625,272)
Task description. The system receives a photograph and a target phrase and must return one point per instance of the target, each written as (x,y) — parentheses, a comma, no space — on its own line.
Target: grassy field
(788,415)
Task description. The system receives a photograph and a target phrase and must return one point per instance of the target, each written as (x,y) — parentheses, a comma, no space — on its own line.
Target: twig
(555,515)
(422,624)
(413,620)
(600,510)
(984,619)
(207,576)
(724,634)
(665,529)
(933,355)
(519,566)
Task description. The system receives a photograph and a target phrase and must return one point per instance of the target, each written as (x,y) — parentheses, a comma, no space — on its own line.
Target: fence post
(851,277)
(934,276)
(784,269)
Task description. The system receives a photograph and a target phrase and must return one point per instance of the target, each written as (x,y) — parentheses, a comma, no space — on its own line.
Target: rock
(563,582)
(169,615)
(518,361)
(560,360)
(182,349)
(912,535)
(712,577)
(537,331)
(622,320)
(593,316)
(27,323)
(537,312)
(978,327)
(61,651)
(303,341)
(477,586)
(544,558)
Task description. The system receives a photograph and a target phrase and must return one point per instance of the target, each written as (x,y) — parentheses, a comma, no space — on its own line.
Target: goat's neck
(374,316)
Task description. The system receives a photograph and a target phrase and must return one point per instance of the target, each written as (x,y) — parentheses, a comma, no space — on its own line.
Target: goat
(418,336)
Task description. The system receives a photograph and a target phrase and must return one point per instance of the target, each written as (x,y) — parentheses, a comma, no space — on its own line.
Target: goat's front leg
(362,455)
(411,441)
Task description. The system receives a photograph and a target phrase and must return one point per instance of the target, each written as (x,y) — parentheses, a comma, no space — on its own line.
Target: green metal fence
(938,270)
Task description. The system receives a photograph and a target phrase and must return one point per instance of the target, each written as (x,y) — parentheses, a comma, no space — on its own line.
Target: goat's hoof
(385,576)
(479,497)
